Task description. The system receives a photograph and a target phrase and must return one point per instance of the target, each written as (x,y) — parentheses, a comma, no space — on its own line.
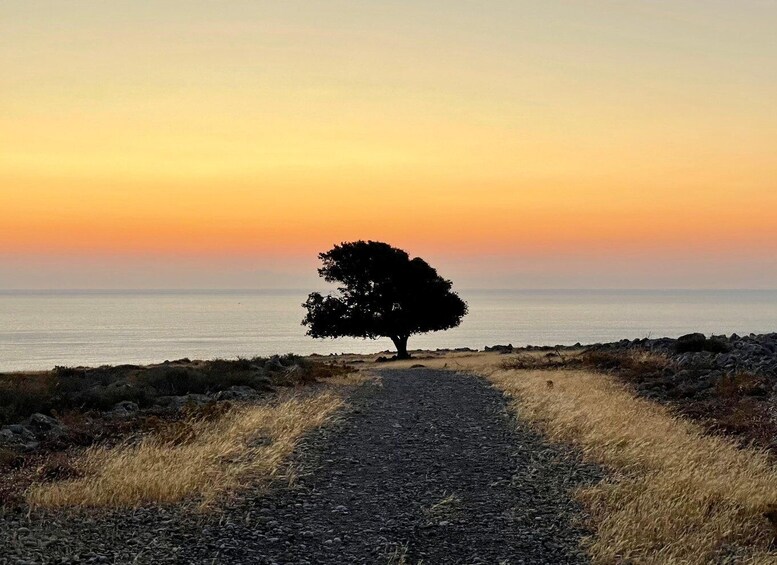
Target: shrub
(548,361)
(690,343)
(742,384)
(716,345)
(173,380)
(66,388)
(696,342)
(57,467)
(633,365)
(62,372)
(9,458)
(222,374)
(213,376)
(105,397)
(224,366)
(22,395)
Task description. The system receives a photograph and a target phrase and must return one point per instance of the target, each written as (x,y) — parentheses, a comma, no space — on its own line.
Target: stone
(45,427)
(238,393)
(178,402)
(501,348)
(23,431)
(124,409)
(693,342)
(43,423)
(274,364)
(24,442)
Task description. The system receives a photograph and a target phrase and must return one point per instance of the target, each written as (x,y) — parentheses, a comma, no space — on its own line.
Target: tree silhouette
(381,293)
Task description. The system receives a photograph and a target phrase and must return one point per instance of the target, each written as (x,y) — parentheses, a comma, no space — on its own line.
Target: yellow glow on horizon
(196,129)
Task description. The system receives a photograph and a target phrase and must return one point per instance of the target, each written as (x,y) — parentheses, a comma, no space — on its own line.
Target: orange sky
(583,142)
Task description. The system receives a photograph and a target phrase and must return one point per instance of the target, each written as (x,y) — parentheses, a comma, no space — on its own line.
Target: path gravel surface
(427,466)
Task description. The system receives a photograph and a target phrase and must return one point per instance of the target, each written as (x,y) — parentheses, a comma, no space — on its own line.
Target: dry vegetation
(675,495)
(678,496)
(221,451)
(247,442)
(445,508)
(82,389)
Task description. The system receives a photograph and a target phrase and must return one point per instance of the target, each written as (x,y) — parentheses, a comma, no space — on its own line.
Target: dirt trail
(427,466)
(430,466)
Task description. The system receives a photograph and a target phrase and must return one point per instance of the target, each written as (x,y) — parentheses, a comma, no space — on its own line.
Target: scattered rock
(274,363)
(500,348)
(45,427)
(237,393)
(124,409)
(178,402)
(18,437)
(690,342)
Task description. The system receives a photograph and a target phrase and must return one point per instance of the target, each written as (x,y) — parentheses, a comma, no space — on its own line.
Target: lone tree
(381,293)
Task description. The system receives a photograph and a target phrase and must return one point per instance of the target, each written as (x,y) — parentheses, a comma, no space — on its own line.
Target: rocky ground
(427,465)
(48,417)
(718,355)
(727,382)
(67,406)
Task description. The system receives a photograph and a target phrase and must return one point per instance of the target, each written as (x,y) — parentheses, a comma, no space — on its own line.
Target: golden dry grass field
(203,458)
(675,495)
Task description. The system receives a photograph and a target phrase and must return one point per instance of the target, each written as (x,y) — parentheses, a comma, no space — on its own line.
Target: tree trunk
(400,342)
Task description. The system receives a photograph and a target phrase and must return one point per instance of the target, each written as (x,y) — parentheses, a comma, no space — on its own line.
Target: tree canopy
(381,292)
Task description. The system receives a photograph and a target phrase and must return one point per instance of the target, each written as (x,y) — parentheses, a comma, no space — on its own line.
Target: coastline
(39,331)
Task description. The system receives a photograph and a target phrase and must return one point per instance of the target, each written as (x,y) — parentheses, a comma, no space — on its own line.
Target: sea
(43,329)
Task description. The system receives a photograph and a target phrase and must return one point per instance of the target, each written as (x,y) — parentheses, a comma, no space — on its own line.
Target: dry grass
(481,363)
(629,365)
(677,495)
(445,508)
(396,554)
(444,504)
(202,459)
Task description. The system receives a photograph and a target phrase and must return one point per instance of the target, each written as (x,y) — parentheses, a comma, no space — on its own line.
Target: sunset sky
(202,144)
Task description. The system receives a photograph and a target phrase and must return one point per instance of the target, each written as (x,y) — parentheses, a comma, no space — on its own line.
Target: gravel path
(428,466)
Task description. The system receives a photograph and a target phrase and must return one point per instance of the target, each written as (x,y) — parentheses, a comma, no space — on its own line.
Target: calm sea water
(42,329)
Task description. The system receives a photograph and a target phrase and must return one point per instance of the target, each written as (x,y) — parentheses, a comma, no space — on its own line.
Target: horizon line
(313,289)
